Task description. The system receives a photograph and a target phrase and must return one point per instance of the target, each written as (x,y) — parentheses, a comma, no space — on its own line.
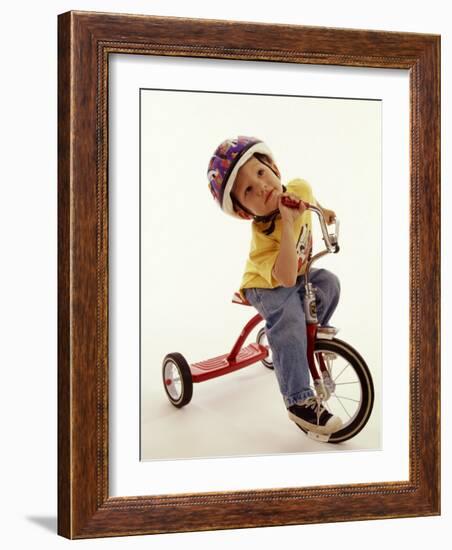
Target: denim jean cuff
(297,398)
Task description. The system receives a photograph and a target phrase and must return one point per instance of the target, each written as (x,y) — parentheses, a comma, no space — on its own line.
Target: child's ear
(244,215)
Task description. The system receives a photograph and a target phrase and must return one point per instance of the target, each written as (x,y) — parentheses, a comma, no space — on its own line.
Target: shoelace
(315,402)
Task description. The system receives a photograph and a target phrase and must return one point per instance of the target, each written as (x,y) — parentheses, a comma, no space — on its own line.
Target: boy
(245,181)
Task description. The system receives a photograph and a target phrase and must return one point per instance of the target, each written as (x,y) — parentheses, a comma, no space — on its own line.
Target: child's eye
(260,172)
(248,189)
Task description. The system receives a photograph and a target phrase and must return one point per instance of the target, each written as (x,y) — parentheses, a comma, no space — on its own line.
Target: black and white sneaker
(312,416)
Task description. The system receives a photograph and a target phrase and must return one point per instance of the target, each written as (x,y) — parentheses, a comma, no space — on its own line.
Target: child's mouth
(268,196)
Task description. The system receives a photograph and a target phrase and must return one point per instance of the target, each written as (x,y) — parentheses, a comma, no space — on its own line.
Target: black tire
(262,340)
(359,370)
(176,372)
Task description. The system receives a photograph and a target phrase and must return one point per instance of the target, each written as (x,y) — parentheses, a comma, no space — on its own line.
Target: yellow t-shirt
(265,248)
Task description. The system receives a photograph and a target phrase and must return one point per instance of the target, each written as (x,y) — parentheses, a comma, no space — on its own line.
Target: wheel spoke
(342,371)
(342,405)
(347,398)
(329,367)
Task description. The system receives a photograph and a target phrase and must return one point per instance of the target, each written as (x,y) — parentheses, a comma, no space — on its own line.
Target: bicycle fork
(323,384)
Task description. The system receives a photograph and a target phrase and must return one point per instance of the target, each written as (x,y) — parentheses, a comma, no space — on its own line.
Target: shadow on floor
(46,522)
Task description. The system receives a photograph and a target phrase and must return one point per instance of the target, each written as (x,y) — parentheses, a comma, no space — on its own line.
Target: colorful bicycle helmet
(226,162)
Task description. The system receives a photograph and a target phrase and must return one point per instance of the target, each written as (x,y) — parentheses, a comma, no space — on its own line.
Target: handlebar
(331,240)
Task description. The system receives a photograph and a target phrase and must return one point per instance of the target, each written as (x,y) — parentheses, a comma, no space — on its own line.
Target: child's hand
(289,213)
(329,215)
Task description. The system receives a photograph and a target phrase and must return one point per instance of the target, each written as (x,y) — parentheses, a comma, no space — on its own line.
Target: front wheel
(352,395)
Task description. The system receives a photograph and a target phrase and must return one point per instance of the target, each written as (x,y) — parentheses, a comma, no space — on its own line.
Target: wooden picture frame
(85,42)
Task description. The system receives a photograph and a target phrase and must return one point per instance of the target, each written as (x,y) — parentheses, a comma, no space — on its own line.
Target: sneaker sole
(333,425)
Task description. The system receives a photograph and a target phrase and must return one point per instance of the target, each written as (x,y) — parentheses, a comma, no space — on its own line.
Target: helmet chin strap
(269,218)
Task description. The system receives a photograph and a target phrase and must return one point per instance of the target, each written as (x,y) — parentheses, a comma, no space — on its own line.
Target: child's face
(257,187)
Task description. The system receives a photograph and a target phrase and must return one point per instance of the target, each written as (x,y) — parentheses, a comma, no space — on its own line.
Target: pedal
(322,390)
(323,438)
(328,384)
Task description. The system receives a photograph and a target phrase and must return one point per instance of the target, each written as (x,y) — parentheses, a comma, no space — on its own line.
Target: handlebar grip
(293,203)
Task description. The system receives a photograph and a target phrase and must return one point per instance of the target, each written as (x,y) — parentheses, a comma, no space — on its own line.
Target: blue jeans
(285,326)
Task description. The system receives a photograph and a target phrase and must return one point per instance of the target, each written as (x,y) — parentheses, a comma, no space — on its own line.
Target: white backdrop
(192,256)
(28,289)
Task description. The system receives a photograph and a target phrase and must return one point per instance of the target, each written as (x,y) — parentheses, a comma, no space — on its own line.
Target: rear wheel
(177,379)
(262,340)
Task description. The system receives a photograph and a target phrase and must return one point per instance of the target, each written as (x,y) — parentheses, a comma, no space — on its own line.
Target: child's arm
(285,269)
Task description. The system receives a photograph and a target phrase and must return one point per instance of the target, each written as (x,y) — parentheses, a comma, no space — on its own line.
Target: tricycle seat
(237,298)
